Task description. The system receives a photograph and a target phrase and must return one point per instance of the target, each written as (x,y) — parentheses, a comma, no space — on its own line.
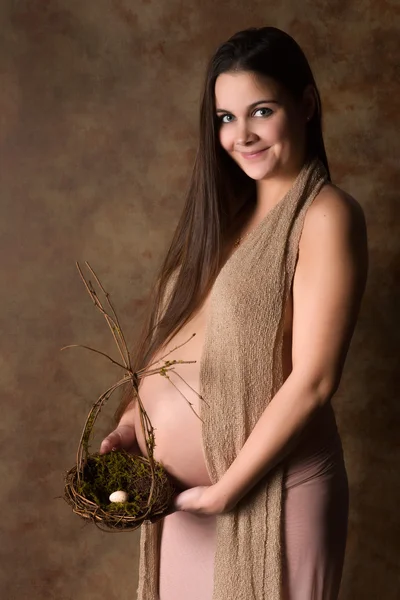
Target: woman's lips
(254,154)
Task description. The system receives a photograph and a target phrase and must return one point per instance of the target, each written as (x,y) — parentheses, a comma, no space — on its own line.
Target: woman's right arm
(124,436)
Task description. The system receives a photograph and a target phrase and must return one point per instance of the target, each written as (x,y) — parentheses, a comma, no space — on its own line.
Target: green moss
(107,473)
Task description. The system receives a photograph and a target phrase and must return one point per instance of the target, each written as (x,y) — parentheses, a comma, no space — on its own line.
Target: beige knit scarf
(240,372)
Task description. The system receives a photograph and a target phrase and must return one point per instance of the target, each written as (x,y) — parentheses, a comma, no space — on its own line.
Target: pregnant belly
(177,429)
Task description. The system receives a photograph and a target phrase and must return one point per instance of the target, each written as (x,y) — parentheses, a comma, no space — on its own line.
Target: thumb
(113,440)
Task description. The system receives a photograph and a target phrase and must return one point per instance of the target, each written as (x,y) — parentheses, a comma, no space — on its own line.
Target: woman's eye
(264,108)
(266,114)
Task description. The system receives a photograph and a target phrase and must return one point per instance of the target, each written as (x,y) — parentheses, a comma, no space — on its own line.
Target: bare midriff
(166,401)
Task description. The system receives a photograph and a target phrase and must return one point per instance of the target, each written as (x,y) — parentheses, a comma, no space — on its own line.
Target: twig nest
(119,490)
(93,487)
(118,496)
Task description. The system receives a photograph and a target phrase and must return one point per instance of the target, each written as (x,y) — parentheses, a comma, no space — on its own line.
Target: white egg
(118,496)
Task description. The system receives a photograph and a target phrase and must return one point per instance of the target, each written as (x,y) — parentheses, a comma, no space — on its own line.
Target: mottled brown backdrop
(98,111)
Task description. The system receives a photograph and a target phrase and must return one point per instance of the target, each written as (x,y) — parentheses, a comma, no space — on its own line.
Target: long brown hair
(218,187)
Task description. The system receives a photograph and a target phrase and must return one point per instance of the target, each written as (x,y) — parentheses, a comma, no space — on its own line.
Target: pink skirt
(315,514)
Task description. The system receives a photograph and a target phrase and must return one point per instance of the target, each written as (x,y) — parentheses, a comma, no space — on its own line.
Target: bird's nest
(89,483)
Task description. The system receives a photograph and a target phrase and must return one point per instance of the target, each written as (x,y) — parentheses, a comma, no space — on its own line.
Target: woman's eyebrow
(251,105)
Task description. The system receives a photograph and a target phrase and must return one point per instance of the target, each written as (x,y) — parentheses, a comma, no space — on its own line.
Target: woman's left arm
(328,287)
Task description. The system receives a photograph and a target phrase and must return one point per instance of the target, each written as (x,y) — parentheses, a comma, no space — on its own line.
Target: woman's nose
(244,134)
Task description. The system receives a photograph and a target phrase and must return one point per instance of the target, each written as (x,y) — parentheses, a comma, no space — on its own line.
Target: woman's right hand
(123,437)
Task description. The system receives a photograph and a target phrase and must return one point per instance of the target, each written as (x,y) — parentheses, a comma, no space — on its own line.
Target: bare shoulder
(334,210)
(328,286)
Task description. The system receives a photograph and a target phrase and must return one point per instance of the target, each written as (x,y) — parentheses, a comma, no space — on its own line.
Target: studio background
(99,107)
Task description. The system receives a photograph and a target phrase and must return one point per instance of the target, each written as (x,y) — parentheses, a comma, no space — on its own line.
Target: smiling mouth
(253,154)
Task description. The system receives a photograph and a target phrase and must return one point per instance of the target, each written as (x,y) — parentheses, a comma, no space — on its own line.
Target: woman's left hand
(201,500)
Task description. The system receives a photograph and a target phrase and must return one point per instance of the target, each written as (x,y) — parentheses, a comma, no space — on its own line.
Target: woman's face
(256,114)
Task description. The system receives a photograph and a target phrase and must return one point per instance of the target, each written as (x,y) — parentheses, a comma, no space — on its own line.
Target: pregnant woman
(267,267)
